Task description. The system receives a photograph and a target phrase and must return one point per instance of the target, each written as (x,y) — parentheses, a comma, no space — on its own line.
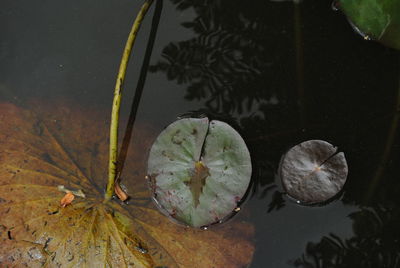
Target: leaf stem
(113,151)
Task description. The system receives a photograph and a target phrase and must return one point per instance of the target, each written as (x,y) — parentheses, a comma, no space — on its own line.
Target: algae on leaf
(376,19)
(61,144)
(199,170)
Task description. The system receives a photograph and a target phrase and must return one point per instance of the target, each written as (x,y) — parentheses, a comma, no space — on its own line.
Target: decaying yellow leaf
(67,145)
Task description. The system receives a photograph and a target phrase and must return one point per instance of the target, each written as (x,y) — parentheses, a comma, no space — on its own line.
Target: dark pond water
(280,73)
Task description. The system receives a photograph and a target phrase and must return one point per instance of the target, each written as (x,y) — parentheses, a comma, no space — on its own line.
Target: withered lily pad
(199,170)
(62,144)
(313,171)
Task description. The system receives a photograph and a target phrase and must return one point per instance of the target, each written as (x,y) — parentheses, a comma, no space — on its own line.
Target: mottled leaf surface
(199,170)
(313,171)
(377,19)
(63,144)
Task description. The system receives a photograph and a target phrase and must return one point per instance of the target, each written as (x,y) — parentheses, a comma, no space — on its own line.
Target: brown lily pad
(313,171)
(61,144)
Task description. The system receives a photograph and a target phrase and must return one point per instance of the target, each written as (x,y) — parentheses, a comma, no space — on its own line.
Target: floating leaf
(376,19)
(199,170)
(313,171)
(62,145)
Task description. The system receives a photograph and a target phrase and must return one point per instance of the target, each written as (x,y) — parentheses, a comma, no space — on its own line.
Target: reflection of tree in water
(374,244)
(228,62)
(233,66)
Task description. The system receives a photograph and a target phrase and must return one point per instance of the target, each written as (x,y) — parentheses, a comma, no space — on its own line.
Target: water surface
(280,73)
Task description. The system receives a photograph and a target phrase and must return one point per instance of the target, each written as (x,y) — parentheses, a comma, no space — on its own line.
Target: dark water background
(281,73)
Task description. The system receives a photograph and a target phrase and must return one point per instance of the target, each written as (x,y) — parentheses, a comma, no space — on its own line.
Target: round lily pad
(313,171)
(199,170)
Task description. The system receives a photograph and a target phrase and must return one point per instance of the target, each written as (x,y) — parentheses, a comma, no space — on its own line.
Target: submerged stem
(113,153)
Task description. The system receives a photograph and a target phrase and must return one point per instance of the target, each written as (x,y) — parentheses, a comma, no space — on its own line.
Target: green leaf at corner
(378,19)
(199,170)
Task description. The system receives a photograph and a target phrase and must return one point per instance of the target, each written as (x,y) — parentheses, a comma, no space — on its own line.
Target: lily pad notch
(198,171)
(313,171)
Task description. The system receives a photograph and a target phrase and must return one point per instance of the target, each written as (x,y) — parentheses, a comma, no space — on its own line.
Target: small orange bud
(67,199)
(119,192)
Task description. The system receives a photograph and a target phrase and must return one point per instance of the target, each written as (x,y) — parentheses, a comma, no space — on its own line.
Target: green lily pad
(199,171)
(375,19)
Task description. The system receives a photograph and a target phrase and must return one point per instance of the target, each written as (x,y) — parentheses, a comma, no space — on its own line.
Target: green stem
(113,153)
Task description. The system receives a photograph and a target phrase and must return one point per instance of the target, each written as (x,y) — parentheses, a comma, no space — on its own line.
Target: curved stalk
(113,153)
(139,90)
